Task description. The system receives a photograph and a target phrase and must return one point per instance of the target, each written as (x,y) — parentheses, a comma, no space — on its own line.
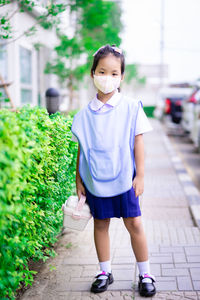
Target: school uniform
(106,134)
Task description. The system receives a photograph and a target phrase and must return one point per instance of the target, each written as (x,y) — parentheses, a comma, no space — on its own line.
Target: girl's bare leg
(102,243)
(138,238)
(101,239)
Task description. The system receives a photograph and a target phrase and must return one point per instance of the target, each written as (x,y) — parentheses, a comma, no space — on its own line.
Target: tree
(92,30)
(65,65)
(132,73)
(47,18)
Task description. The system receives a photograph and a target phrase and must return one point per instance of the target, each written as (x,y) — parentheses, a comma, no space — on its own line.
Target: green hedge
(149,111)
(37,174)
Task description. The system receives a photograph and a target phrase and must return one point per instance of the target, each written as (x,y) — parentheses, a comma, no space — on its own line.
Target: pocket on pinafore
(105,164)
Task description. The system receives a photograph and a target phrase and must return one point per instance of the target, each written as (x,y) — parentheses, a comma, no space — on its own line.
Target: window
(26,75)
(26,95)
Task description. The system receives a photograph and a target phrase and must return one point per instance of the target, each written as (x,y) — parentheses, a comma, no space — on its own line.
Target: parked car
(188,107)
(195,131)
(169,104)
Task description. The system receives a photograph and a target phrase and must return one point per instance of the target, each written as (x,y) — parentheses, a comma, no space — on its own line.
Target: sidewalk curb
(191,192)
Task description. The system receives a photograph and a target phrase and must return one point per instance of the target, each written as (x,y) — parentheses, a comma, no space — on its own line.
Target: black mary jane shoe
(101,285)
(146,289)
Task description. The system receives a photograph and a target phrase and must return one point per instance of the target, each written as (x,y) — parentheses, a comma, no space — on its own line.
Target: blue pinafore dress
(125,204)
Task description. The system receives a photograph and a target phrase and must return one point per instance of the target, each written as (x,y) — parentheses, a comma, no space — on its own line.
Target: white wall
(40,81)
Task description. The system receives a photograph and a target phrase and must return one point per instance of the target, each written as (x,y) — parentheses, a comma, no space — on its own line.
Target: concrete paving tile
(195,273)
(189,236)
(175,272)
(171,249)
(184,177)
(158,296)
(181,236)
(196,284)
(154,248)
(90,267)
(76,287)
(193,258)
(89,273)
(187,265)
(115,293)
(119,285)
(166,278)
(126,293)
(193,199)
(123,260)
(179,257)
(175,295)
(161,259)
(184,283)
(166,286)
(80,261)
(128,297)
(191,295)
(196,234)
(123,252)
(176,159)
(71,271)
(191,190)
(96,297)
(82,279)
(167,266)
(160,254)
(53,296)
(156,269)
(123,266)
(26,296)
(192,250)
(67,295)
(126,275)
(88,293)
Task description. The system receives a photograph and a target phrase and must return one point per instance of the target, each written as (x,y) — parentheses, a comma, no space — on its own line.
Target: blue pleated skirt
(123,205)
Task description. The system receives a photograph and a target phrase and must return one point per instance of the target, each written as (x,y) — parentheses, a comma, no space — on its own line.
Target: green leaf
(38,163)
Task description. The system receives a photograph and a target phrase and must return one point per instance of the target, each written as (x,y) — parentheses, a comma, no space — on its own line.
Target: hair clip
(116,49)
(98,50)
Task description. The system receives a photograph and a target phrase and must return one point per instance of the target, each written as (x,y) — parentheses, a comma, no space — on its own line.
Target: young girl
(110,165)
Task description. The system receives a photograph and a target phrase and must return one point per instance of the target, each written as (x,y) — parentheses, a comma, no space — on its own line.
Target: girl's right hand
(80,189)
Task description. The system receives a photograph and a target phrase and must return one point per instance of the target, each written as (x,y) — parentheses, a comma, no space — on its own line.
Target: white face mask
(107,84)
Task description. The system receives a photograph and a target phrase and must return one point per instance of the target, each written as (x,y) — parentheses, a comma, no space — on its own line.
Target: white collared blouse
(142,124)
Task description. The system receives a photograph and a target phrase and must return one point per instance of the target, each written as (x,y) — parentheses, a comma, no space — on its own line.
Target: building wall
(16,70)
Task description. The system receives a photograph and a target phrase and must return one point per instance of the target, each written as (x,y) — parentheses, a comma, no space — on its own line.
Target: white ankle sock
(144,268)
(105,266)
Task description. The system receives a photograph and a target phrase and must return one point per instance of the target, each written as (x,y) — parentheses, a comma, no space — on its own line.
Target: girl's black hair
(103,52)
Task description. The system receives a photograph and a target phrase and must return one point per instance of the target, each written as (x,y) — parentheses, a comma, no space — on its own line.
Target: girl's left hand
(138,185)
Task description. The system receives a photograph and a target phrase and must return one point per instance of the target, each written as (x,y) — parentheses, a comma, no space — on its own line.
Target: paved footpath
(174,241)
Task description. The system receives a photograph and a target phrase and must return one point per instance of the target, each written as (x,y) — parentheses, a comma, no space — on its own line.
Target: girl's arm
(138,182)
(80,189)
